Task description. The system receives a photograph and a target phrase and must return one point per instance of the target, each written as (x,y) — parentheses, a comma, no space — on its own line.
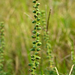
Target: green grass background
(17,17)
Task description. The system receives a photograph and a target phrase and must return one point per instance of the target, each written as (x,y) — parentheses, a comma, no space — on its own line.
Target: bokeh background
(17,17)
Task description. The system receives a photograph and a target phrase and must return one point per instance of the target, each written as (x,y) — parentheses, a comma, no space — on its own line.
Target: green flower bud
(34,42)
(32,56)
(32,59)
(38,34)
(36,25)
(31,70)
(35,28)
(30,64)
(38,49)
(37,9)
(36,53)
(35,16)
(34,21)
(38,13)
(33,36)
(39,43)
(34,46)
(37,40)
(34,11)
(34,32)
(39,28)
(37,57)
(38,19)
(34,67)
(37,63)
(37,4)
(33,49)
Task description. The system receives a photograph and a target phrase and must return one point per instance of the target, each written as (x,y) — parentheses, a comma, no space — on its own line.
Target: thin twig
(46,13)
(71,69)
(67,56)
(48,20)
(28,15)
(57,71)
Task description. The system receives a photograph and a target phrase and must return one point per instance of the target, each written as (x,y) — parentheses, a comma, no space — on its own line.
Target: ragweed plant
(43,49)
(1,48)
(50,56)
(48,42)
(48,45)
(46,37)
(36,43)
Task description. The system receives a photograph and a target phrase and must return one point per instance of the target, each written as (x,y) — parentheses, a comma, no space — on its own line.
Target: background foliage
(17,16)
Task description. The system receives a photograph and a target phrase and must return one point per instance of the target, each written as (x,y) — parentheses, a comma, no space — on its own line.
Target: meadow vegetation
(17,16)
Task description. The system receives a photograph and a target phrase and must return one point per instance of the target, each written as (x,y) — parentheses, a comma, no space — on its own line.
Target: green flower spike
(1,48)
(36,36)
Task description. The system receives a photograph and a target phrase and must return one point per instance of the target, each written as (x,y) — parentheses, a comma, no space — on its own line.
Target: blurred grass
(18,31)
